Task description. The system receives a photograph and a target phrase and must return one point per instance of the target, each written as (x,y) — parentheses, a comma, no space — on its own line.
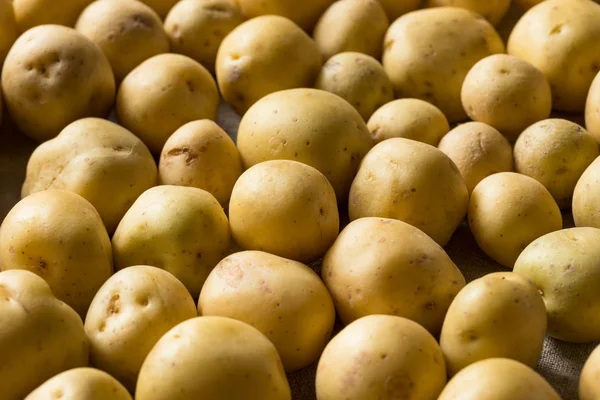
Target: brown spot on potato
(190,155)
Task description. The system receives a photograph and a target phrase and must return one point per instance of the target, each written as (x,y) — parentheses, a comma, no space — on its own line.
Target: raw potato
(413,182)
(526,4)
(183,230)
(507,212)
(129,314)
(161,7)
(385,266)
(283,299)
(478,150)
(396,8)
(94,157)
(40,337)
(201,154)
(367,361)
(428,53)
(589,388)
(31,13)
(492,10)
(285,208)
(262,56)
(592,109)
(352,25)
(213,358)
(52,76)
(357,78)
(8,29)
(304,13)
(586,197)
(411,119)
(59,236)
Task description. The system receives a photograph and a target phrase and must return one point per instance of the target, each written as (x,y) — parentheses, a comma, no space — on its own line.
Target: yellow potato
(396,8)
(492,10)
(526,4)
(589,389)
(8,28)
(592,109)
(304,13)
(161,7)
(31,13)
(586,197)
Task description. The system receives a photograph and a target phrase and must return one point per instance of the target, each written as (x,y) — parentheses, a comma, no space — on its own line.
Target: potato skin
(303,13)
(31,13)
(8,29)
(161,7)
(586,197)
(592,109)
(588,382)
(492,10)
(396,8)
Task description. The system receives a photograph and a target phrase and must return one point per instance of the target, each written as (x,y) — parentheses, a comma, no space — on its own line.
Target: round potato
(589,389)
(396,8)
(93,157)
(285,208)
(52,76)
(508,211)
(31,13)
(586,197)
(183,230)
(201,154)
(304,13)
(478,150)
(492,10)
(428,53)
(507,93)
(161,7)
(283,299)
(355,366)
(8,28)
(59,236)
(411,119)
(413,182)
(592,109)
(265,55)
(385,266)
(40,337)
(236,360)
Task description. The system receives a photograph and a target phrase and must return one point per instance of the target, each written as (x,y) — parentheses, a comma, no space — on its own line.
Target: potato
(52,76)
(265,55)
(81,384)
(31,13)
(128,315)
(367,361)
(526,4)
(493,10)
(413,182)
(40,336)
(202,155)
(352,25)
(384,266)
(562,39)
(396,8)
(556,152)
(285,208)
(303,13)
(588,381)
(236,361)
(411,119)
(586,197)
(428,53)
(59,236)
(307,125)
(508,211)
(507,93)
(161,7)
(94,157)
(592,109)
(498,379)
(196,28)
(8,29)
(183,230)
(478,150)
(283,299)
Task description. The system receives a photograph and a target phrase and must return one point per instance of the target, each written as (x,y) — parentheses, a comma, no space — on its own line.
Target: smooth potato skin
(8,28)
(396,8)
(31,13)
(492,10)
(592,109)
(303,13)
(588,381)
(586,197)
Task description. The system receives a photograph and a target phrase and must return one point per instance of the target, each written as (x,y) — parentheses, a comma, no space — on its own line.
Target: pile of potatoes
(152,256)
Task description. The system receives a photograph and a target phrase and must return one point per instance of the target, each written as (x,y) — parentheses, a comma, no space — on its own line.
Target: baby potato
(31,13)
(40,336)
(411,119)
(428,53)
(352,25)
(52,76)
(492,10)
(130,312)
(201,154)
(396,8)
(589,388)
(303,13)
(285,208)
(507,93)
(59,236)
(183,230)
(213,358)
(8,28)
(478,150)
(586,197)
(161,7)
(381,356)
(508,211)
(592,109)
(385,266)
(413,182)
(283,299)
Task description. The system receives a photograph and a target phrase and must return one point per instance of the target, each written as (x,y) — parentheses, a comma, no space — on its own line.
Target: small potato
(183,230)
(507,93)
(161,7)
(352,25)
(8,29)
(52,76)
(283,299)
(303,13)
(586,197)
(59,236)
(411,119)
(285,208)
(589,387)
(384,266)
(556,152)
(492,10)
(130,312)
(357,78)
(478,150)
(507,212)
(31,13)
(201,154)
(213,358)
(381,357)
(592,109)
(396,8)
